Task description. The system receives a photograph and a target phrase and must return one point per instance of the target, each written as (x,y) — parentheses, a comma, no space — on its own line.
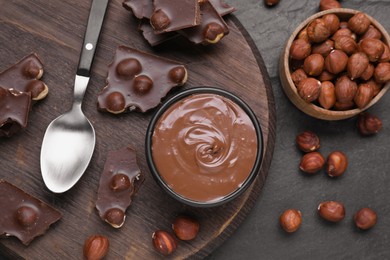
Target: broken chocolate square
(138,80)
(14,110)
(24,76)
(119,182)
(23,215)
(221,7)
(140,8)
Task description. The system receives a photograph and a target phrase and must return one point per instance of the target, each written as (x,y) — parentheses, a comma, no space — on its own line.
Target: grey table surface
(365,184)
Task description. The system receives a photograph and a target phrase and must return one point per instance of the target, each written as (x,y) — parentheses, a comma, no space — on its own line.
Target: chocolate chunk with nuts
(170,15)
(138,80)
(119,182)
(23,215)
(140,8)
(152,38)
(25,76)
(212,29)
(14,110)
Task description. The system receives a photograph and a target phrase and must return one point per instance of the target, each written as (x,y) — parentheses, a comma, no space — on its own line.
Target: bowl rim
(204,90)
(285,74)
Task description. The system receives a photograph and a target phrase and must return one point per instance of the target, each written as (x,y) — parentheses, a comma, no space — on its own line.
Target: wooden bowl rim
(310,108)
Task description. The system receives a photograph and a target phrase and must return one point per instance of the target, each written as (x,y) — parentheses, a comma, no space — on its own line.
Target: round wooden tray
(233,64)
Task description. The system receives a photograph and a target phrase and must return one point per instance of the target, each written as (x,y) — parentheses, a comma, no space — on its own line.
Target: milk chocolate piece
(140,8)
(212,29)
(138,80)
(24,76)
(14,110)
(152,38)
(173,15)
(119,182)
(221,7)
(23,215)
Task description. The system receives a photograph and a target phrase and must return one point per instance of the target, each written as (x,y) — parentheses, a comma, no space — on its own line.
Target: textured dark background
(366,182)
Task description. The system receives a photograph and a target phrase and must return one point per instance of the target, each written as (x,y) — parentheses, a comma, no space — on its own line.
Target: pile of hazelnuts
(336,164)
(339,65)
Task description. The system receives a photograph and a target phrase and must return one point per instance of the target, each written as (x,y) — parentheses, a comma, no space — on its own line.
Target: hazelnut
(368,124)
(340,106)
(164,242)
(300,49)
(364,95)
(96,247)
(317,31)
(271,2)
(178,75)
(308,141)
(213,32)
(303,35)
(357,65)
(142,84)
(346,44)
(336,164)
(332,22)
(159,20)
(342,32)
(386,54)
(323,48)
(312,162)
(309,89)
(120,182)
(327,97)
(298,75)
(32,70)
(313,64)
(382,72)
(326,76)
(359,23)
(329,4)
(376,87)
(374,48)
(128,68)
(368,73)
(336,61)
(115,217)
(38,89)
(290,220)
(365,218)
(185,228)
(115,102)
(26,216)
(372,32)
(345,89)
(332,211)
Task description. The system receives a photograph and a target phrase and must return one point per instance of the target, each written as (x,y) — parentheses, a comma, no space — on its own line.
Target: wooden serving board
(55,29)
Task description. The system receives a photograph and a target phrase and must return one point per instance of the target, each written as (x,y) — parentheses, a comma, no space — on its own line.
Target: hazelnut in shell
(332,22)
(326,76)
(317,31)
(327,97)
(376,87)
(308,141)
(357,65)
(298,75)
(371,32)
(300,49)
(345,89)
(382,72)
(96,247)
(332,211)
(314,64)
(323,48)
(386,54)
(342,32)
(336,164)
(329,4)
(359,23)
(346,44)
(373,48)
(336,61)
(290,220)
(368,124)
(164,242)
(312,162)
(365,218)
(185,228)
(368,73)
(363,95)
(309,89)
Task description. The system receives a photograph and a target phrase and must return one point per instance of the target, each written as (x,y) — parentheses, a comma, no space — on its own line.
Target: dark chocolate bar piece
(138,80)
(221,7)
(119,182)
(14,110)
(24,76)
(152,38)
(140,8)
(212,29)
(173,15)
(23,215)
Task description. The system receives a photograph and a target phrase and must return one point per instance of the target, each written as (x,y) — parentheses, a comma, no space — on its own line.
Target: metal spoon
(69,140)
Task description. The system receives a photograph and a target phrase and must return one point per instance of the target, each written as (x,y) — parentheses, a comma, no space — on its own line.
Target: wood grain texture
(54,29)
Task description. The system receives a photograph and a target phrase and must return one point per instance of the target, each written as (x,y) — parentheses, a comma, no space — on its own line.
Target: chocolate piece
(23,215)
(212,29)
(14,110)
(138,80)
(221,7)
(171,15)
(204,147)
(152,38)
(119,182)
(24,76)
(140,8)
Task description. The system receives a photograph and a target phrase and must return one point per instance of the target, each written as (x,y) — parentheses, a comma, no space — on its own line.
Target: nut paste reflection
(204,147)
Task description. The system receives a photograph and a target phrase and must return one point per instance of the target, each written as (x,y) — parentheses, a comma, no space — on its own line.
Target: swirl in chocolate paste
(204,147)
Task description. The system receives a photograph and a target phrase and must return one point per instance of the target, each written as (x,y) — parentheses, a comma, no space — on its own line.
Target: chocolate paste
(204,147)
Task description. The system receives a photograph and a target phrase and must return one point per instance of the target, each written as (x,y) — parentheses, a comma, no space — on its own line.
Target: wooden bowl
(291,90)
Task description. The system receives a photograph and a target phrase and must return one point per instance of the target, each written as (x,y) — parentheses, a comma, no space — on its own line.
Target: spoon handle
(95,22)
